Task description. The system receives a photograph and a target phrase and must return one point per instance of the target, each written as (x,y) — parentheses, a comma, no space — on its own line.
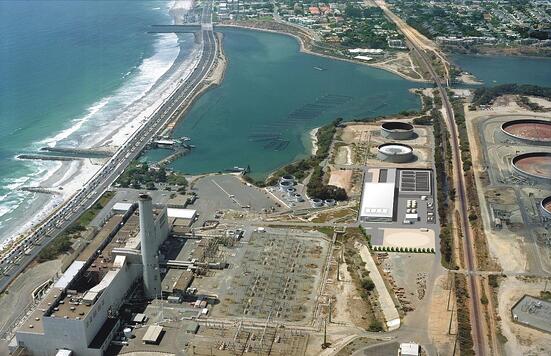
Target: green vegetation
(139,175)
(545,295)
(459,114)
(316,187)
(487,95)
(375,326)
(91,213)
(62,243)
(442,162)
(524,101)
(493,280)
(463,317)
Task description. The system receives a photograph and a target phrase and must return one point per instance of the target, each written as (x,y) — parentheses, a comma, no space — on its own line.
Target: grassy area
(63,242)
(487,95)
(459,114)
(442,162)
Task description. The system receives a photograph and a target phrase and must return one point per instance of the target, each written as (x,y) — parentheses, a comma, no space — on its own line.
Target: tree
(368,284)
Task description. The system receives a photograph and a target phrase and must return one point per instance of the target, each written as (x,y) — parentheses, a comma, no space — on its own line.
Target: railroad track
(468,248)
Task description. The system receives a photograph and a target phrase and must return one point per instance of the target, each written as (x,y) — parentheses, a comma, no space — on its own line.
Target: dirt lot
(521,340)
(341,178)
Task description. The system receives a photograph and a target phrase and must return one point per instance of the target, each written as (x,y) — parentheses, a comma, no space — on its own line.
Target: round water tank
(127,333)
(283,185)
(397,130)
(529,130)
(546,207)
(395,152)
(316,203)
(534,165)
(287,178)
(298,198)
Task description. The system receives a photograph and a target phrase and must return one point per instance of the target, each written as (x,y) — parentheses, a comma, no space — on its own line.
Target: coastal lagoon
(494,70)
(272,96)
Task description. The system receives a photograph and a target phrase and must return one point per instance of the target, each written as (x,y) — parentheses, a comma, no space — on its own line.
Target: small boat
(318,68)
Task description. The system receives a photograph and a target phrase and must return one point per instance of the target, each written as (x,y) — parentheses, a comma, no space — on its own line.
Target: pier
(37,156)
(79,152)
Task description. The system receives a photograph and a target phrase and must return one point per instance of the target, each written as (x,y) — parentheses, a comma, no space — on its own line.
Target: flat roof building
(78,313)
(153,334)
(377,202)
(378,195)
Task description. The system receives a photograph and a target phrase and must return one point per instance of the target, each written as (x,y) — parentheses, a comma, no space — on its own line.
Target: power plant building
(80,312)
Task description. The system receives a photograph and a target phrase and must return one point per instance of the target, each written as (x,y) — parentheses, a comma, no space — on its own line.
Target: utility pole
(451,318)
(450,292)
(330,309)
(324,332)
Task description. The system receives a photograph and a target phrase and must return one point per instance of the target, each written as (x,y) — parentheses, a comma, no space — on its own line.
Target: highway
(19,257)
(468,247)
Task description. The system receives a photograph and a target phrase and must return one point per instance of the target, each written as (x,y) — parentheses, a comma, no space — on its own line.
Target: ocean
(68,72)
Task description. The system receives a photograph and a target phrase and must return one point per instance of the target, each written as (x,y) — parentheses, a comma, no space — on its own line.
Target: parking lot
(227,192)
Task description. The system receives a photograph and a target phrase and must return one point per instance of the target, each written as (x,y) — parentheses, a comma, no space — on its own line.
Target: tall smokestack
(151,275)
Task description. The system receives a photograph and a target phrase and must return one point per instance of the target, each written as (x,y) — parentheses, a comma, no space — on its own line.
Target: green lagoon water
(494,70)
(272,96)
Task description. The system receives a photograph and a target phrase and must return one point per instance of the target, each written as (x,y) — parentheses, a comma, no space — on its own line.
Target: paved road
(22,254)
(468,250)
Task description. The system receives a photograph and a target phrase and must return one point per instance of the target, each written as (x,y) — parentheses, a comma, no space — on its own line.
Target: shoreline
(71,175)
(306,50)
(314,140)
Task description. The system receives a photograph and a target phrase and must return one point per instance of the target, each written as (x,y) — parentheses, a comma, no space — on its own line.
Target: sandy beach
(314,140)
(72,175)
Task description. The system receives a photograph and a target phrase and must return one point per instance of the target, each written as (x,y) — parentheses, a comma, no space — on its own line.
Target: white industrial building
(377,202)
(80,313)
(378,196)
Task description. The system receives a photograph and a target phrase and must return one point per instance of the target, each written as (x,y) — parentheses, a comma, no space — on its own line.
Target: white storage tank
(127,333)
(395,152)
(330,202)
(287,178)
(298,198)
(317,203)
(284,184)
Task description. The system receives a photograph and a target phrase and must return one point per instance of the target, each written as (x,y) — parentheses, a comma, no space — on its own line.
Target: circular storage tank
(287,178)
(534,164)
(127,333)
(330,202)
(283,185)
(546,207)
(298,198)
(529,130)
(395,152)
(317,203)
(291,191)
(397,130)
